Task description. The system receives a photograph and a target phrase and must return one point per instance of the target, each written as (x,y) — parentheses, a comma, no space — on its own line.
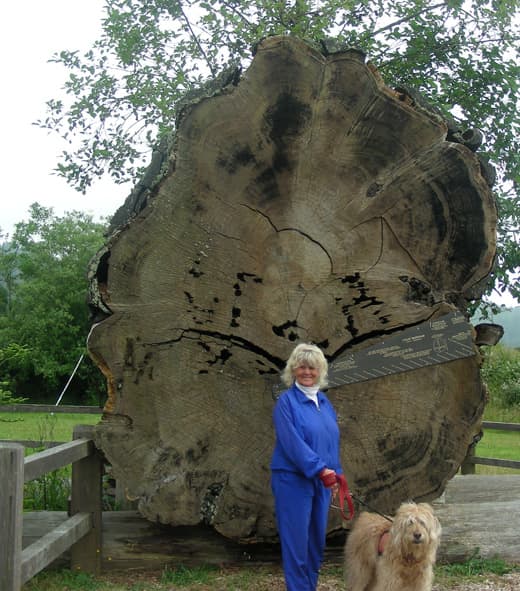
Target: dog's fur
(408,554)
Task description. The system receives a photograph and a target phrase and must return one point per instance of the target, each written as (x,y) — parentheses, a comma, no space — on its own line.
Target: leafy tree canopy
(121,95)
(45,321)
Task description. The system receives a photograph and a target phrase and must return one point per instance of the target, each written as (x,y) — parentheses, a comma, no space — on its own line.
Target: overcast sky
(31,32)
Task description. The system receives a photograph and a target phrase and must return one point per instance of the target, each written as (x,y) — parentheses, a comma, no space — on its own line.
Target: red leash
(344,495)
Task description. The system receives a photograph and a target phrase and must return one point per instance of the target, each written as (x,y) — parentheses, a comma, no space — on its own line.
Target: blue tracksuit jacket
(307,440)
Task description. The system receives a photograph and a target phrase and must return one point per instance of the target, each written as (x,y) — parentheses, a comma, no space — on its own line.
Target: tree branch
(406,18)
(195,38)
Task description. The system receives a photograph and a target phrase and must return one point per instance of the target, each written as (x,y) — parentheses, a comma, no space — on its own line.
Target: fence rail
(64,408)
(81,533)
(471,460)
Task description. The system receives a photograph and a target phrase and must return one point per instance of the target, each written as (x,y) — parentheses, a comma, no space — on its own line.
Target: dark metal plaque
(432,342)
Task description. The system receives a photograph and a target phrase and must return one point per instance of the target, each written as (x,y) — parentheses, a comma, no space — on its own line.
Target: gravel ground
(271,579)
(510,582)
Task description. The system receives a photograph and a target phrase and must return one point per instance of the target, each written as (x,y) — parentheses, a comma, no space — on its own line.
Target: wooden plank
(501,426)
(49,547)
(33,443)
(130,542)
(476,512)
(11,508)
(500,463)
(51,408)
(490,527)
(86,497)
(482,488)
(51,459)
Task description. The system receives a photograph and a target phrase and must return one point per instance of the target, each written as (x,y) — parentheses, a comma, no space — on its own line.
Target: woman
(305,466)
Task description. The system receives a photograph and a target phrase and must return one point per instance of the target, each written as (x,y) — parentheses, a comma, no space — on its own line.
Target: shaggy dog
(397,555)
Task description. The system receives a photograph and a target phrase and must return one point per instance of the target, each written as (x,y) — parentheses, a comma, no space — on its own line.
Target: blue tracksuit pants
(302,507)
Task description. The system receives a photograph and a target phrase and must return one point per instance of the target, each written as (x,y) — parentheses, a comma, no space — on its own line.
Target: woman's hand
(329,478)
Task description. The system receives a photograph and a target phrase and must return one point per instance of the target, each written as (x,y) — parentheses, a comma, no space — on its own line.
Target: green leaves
(122,94)
(43,269)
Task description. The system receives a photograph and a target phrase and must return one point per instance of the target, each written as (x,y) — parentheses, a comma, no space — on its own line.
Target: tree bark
(306,201)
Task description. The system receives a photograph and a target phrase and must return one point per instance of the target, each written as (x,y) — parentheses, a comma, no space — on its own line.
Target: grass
(472,569)
(42,426)
(504,445)
(244,578)
(50,491)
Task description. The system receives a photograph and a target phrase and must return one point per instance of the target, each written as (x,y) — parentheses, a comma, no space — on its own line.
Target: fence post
(468,467)
(86,498)
(11,515)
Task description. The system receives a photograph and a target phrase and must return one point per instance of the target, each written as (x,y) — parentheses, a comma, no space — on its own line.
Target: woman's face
(306,376)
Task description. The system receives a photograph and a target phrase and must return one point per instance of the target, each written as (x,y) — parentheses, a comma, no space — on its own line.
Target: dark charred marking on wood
(102,268)
(205,346)
(469,240)
(195,272)
(258,280)
(292,336)
(269,371)
(439,215)
(419,291)
(243,275)
(236,312)
(350,326)
(240,157)
(129,353)
(286,118)
(169,456)
(194,455)
(383,475)
(238,290)
(138,376)
(407,450)
(374,189)
(323,344)
(208,506)
(280,161)
(189,297)
(201,371)
(366,300)
(351,278)
(279,330)
(216,300)
(384,319)
(225,354)
(268,185)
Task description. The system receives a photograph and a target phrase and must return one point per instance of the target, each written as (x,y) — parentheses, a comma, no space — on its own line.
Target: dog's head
(416,530)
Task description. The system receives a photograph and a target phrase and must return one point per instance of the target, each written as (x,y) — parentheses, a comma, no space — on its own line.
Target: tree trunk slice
(306,202)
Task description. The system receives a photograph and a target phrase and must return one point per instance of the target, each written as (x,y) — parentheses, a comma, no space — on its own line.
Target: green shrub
(501,372)
(51,491)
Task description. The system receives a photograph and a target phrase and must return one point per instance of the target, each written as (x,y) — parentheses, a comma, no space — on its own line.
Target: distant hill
(510,321)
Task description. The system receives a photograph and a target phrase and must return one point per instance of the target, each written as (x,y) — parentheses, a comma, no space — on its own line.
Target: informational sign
(435,341)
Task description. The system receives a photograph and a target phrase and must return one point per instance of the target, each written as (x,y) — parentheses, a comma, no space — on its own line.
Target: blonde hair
(310,355)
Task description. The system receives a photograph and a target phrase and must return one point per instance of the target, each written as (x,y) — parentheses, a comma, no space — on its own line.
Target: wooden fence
(81,532)
(468,466)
